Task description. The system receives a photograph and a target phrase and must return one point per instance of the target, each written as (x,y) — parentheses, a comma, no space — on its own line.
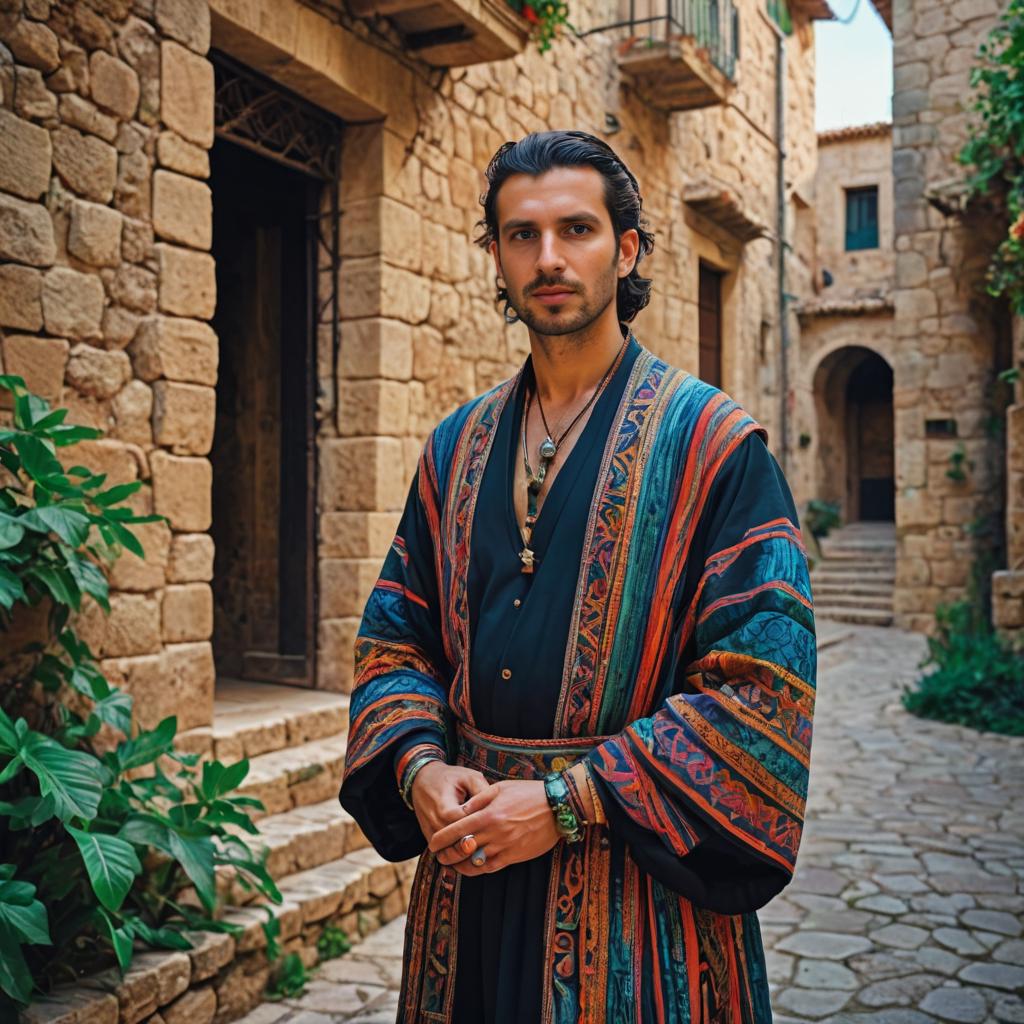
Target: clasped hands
(511,821)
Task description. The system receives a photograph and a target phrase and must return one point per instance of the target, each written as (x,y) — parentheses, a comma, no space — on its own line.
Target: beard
(551,321)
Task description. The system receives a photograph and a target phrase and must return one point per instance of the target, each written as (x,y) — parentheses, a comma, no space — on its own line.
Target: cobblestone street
(907,905)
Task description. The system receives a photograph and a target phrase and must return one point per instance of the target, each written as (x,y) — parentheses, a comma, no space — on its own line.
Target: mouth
(552,296)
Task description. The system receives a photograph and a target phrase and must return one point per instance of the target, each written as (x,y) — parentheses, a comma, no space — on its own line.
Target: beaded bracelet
(409,766)
(557,792)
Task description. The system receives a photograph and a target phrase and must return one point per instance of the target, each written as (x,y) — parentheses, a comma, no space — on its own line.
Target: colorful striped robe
(723,741)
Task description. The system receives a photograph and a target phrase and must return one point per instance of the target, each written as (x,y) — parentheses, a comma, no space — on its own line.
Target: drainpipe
(783,244)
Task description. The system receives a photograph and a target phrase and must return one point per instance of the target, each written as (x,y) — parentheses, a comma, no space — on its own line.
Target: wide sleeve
(710,790)
(400,692)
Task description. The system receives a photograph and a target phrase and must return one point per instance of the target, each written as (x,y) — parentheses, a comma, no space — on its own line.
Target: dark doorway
(870,435)
(263,456)
(709,300)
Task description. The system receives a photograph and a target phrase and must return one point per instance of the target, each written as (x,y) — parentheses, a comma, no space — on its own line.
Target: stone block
(194,1007)
(383,227)
(428,347)
(25,156)
(345,584)
(187,21)
(174,153)
(119,326)
(26,233)
(94,234)
(134,288)
(336,654)
(240,988)
(209,953)
(182,210)
(188,282)
(359,473)
(178,681)
(186,93)
(376,348)
(132,192)
(131,573)
(87,165)
(371,288)
(175,348)
(131,628)
(34,44)
(356,534)
(1008,599)
(21,297)
(191,558)
(72,303)
(39,361)
(183,417)
(120,462)
(373,407)
(87,117)
(73,1005)
(187,612)
(182,490)
(114,85)
(97,372)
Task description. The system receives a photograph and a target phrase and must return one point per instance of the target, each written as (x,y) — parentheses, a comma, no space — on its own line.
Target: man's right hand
(439,791)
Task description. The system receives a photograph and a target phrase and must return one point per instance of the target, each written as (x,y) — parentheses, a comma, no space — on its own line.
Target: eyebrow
(573,218)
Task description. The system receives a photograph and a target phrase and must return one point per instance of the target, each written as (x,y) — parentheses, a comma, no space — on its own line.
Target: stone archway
(855,458)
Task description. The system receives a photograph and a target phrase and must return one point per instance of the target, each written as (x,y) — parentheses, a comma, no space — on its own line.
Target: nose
(550,258)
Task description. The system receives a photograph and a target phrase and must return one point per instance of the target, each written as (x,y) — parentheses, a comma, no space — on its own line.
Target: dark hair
(542,151)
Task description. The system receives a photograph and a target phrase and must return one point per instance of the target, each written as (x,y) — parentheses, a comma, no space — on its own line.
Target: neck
(567,366)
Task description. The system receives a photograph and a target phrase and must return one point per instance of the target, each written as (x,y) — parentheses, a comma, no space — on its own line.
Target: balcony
(452,33)
(680,54)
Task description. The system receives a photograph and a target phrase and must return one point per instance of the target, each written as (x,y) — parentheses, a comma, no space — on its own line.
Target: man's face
(556,249)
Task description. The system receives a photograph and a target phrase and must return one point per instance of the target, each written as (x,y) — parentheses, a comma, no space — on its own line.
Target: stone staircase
(854,580)
(324,866)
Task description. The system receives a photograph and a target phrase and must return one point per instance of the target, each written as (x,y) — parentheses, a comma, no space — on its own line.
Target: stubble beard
(554,326)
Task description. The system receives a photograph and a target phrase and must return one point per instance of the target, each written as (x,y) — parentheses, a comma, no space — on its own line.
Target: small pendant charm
(527,556)
(547,448)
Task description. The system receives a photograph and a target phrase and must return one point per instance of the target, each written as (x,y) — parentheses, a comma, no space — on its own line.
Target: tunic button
(506,673)
(517,602)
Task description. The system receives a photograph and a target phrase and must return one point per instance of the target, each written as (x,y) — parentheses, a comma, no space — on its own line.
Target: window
(778,11)
(862,218)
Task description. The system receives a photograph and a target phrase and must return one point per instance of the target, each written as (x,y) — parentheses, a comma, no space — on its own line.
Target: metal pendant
(547,448)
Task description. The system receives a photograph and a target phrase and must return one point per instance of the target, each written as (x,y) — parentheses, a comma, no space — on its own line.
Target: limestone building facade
(237,236)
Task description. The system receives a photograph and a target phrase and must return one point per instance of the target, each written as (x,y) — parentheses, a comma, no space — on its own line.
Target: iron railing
(712,24)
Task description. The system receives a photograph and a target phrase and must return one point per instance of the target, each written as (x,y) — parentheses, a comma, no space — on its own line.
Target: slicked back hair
(543,151)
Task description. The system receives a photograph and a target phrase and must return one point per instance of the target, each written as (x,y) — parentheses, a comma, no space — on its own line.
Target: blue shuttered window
(862,218)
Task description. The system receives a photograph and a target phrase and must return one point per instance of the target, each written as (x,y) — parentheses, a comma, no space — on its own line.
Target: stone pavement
(908,903)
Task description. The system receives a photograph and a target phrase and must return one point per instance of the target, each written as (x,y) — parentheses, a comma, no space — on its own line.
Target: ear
(493,250)
(629,249)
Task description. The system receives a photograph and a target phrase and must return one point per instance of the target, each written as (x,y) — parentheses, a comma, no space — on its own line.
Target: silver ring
(478,858)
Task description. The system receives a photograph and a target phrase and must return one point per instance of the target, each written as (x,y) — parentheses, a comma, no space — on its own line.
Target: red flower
(530,15)
(1017,229)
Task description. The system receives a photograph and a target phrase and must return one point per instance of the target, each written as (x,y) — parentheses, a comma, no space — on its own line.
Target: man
(585,677)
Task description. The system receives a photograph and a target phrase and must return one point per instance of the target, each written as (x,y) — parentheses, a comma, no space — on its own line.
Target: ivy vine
(995,148)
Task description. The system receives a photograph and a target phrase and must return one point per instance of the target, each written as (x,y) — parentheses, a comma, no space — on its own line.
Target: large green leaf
(10,742)
(196,854)
(219,779)
(25,915)
(146,830)
(15,978)
(73,778)
(36,458)
(111,863)
(11,530)
(71,525)
(116,710)
(11,588)
(117,493)
(147,746)
(120,939)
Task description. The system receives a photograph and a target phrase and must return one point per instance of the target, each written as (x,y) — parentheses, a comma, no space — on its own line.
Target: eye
(579,229)
(521,234)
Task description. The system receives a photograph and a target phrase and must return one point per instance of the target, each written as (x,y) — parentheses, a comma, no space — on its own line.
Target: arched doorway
(856,463)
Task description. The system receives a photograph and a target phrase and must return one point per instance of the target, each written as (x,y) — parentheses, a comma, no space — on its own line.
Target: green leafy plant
(289,979)
(957,459)
(546,17)
(333,942)
(100,847)
(821,516)
(995,148)
(977,680)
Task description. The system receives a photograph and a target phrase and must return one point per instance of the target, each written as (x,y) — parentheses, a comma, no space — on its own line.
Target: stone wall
(947,331)
(107,283)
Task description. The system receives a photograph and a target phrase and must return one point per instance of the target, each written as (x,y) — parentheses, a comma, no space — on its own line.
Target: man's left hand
(511,821)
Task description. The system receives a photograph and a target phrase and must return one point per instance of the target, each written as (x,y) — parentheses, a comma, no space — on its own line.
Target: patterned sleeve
(710,790)
(400,693)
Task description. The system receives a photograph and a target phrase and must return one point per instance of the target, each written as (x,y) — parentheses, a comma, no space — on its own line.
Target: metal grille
(712,24)
(260,115)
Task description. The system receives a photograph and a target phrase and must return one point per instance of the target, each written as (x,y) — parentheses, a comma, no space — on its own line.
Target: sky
(854,73)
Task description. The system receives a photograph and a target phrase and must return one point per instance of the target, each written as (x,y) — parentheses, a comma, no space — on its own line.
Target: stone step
(830,572)
(860,616)
(225,976)
(880,603)
(864,588)
(298,776)
(250,719)
(860,557)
